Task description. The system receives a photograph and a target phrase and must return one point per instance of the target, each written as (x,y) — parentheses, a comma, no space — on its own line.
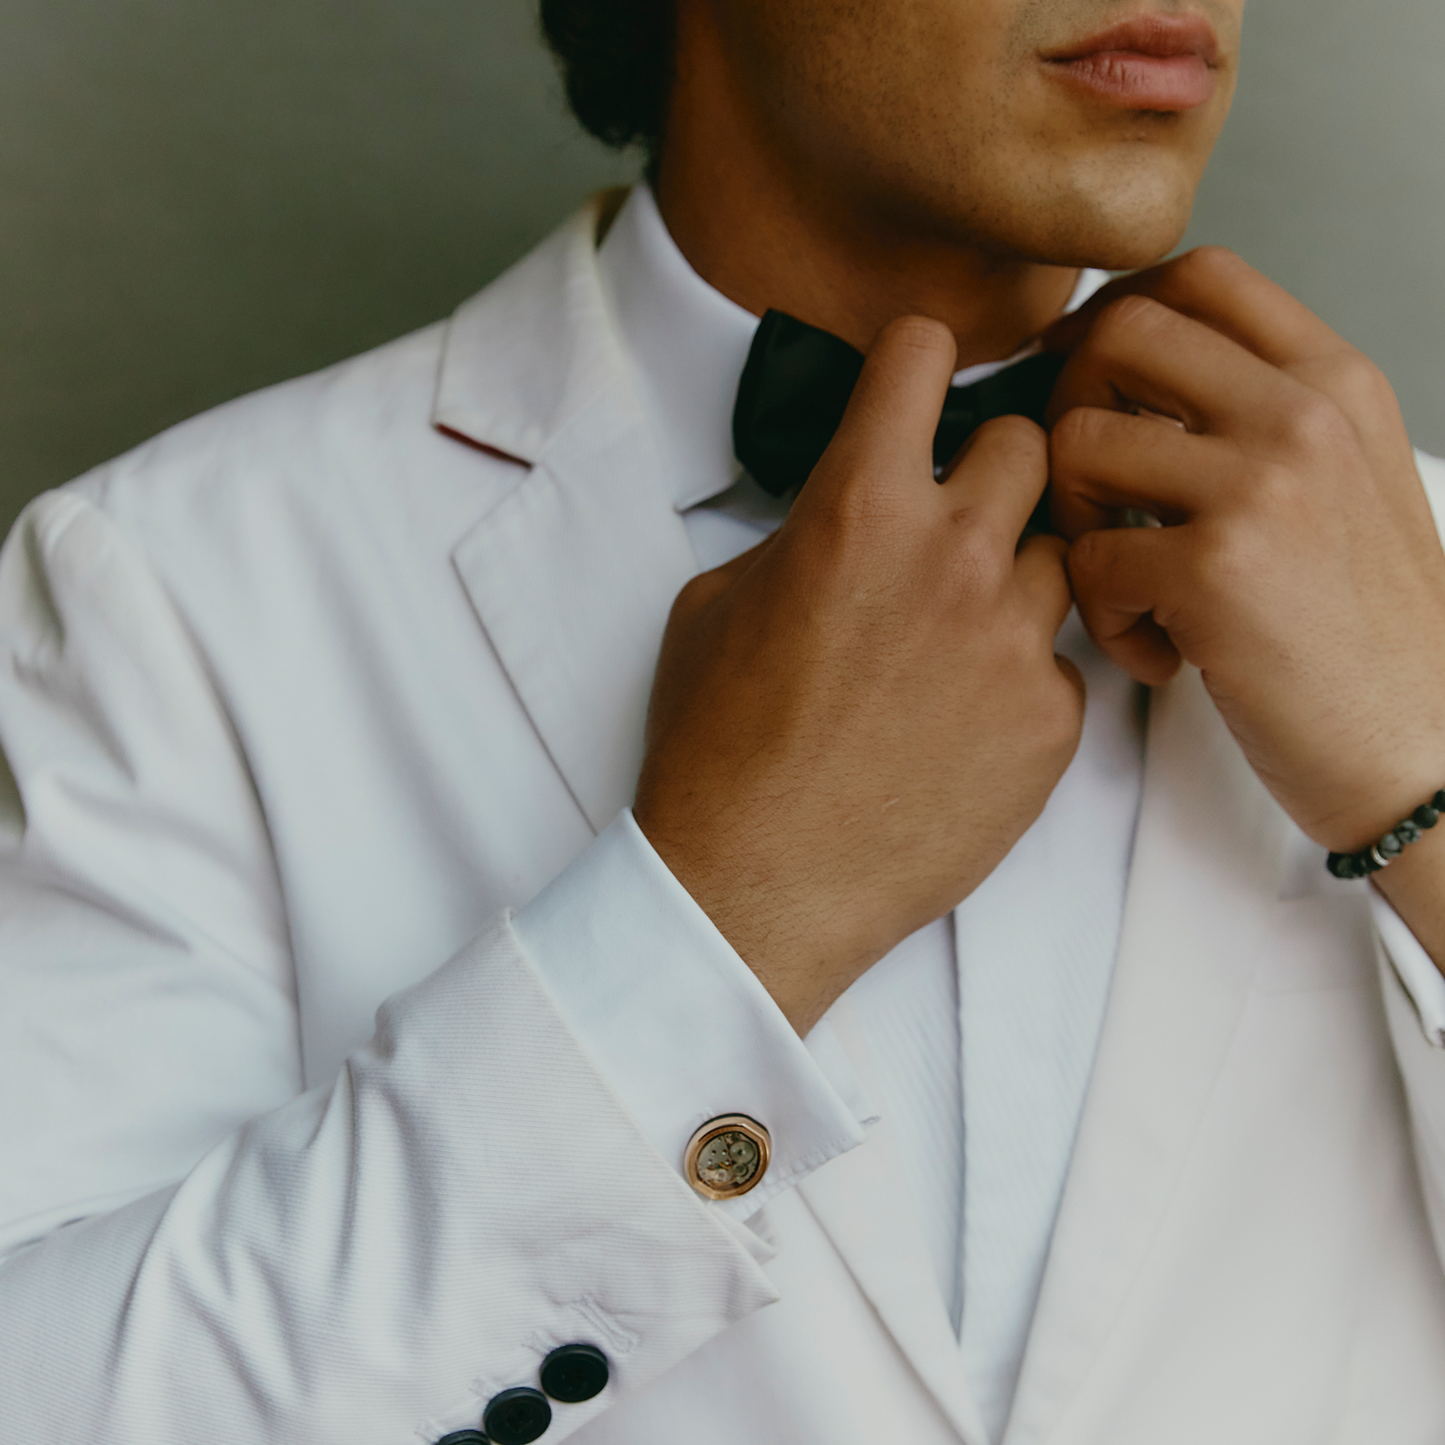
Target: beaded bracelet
(1384,852)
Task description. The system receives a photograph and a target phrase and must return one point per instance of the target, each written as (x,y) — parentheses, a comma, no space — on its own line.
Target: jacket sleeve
(1420,1050)
(194,1249)
(1415,996)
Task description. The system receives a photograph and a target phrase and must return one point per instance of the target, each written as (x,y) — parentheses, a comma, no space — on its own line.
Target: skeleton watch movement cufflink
(727,1156)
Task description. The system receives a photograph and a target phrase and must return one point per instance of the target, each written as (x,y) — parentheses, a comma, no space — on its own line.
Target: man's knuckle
(977,563)
(1059,709)
(1121,328)
(1210,267)
(1076,430)
(1354,379)
(1050,702)
(1266,487)
(1315,420)
(1086,555)
(1015,433)
(1228,557)
(1123,320)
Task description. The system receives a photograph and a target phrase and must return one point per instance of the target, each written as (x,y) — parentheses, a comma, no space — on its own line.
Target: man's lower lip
(1141,82)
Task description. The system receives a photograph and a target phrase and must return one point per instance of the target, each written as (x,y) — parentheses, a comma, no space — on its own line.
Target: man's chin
(1111,221)
(1125,246)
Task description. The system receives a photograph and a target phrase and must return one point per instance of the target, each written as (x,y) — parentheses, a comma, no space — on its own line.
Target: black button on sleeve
(573,1373)
(463,1437)
(516,1417)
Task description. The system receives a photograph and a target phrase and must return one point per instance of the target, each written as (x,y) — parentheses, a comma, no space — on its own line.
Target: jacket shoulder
(298,501)
(359,426)
(465,402)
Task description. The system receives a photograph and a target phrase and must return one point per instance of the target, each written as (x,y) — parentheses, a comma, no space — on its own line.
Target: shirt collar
(689,343)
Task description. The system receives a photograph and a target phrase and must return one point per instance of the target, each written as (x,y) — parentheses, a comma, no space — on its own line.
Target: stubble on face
(941,117)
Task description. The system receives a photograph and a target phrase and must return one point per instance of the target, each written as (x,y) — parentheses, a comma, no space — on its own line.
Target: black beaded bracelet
(1384,852)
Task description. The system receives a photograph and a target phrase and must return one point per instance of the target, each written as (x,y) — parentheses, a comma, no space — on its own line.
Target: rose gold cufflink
(727,1157)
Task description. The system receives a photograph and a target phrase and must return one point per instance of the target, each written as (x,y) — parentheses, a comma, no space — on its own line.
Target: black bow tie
(797,381)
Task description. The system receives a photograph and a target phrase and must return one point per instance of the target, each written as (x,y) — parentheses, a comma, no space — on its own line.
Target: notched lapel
(573,575)
(1204,880)
(574,572)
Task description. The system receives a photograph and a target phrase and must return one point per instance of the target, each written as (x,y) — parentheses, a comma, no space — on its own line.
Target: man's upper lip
(1155,35)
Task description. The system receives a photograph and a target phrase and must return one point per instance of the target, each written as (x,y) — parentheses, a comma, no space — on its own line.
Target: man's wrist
(795,942)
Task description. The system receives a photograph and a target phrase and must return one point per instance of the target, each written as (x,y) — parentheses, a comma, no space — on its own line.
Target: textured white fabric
(907,1014)
(1036,943)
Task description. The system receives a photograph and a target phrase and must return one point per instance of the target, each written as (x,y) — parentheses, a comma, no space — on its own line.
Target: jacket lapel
(857,1201)
(1205,876)
(574,571)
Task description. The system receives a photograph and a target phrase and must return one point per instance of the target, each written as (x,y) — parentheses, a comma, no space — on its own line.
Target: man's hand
(853,722)
(1298,566)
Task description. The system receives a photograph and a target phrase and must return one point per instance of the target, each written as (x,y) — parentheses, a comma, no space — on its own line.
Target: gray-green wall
(197,199)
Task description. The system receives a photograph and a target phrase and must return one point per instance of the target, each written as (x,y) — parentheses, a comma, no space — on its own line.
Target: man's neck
(766,238)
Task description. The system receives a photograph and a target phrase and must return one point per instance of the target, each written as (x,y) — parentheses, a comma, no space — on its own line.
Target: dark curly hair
(616,59)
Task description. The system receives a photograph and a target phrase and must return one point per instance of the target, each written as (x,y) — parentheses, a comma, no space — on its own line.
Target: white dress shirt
(982,1027)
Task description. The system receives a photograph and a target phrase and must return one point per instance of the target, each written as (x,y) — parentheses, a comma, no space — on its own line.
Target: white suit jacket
(299,699)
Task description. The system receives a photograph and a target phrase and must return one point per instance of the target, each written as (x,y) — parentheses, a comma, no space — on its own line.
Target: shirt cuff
(1413,966)
(676,1022)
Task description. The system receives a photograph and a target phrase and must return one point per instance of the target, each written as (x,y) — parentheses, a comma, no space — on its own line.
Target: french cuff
(678,1024)
(1413,966)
